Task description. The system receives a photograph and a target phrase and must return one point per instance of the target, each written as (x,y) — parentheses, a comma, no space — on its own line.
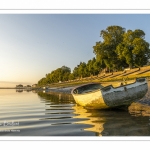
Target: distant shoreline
(7,88)
(14,88)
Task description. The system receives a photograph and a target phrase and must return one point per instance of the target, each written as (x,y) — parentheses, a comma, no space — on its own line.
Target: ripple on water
(57,115)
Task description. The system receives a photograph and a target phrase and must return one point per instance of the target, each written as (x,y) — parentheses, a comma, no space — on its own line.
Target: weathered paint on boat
(109,97)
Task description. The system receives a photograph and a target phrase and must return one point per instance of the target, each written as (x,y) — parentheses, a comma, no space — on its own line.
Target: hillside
(114,78)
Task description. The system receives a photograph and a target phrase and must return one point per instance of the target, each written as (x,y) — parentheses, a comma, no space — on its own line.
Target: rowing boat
(96,96)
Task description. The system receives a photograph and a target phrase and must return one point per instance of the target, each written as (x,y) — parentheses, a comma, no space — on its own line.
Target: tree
(75,72)
(105,51)
(96,67)
(134,49)
(120,48)
(60,74)
(82,69)
(42,81)
(71,76)
(140,52)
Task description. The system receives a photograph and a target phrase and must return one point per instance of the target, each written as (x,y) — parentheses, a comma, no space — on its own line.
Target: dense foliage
(60,74)
(118,49)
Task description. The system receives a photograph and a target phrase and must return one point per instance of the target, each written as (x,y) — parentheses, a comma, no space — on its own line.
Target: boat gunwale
(85,93)
(92,83)
(104,88)
(124,85)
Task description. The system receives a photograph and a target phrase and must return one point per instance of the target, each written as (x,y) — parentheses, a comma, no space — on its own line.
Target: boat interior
(97,86)
(87,88)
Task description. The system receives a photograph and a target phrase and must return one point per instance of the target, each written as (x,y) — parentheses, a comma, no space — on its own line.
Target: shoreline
(142,103)
(65,90)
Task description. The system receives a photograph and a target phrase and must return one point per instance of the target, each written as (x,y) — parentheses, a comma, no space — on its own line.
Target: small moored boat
(95,96)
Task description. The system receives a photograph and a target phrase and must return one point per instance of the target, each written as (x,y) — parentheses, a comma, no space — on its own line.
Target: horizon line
(15,82)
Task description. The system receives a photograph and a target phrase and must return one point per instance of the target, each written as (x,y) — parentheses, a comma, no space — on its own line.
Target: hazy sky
(32,45)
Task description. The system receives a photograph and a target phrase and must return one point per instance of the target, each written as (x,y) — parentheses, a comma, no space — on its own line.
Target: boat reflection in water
(115,122)
(68,118)
(92,118)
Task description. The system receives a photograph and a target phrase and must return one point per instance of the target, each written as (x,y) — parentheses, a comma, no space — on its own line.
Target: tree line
(118,49)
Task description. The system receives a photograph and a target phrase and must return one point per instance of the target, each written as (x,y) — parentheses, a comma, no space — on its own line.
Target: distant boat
(95,96)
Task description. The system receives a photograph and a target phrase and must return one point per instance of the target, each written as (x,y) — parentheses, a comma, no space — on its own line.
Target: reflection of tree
(56,98)
(19,90)
(57,108)
(28,90)
(113,122)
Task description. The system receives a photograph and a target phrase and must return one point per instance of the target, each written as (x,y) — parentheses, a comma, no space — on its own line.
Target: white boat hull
(110,97)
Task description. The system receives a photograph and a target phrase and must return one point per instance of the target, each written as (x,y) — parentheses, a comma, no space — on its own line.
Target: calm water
(47,114)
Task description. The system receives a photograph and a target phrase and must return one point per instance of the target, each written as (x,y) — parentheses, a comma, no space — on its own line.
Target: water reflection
(57,107)
(61,110)
(56,98)
(113,122)
(138,109)
(142,106)
(19,90)
(56,114)
(96,121)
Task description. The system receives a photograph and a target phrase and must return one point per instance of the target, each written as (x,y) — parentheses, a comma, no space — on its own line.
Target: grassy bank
(109,78)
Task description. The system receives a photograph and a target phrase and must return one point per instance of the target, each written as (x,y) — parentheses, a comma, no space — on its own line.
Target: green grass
(109,79)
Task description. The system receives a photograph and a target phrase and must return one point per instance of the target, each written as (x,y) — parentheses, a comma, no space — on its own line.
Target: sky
(32,45)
